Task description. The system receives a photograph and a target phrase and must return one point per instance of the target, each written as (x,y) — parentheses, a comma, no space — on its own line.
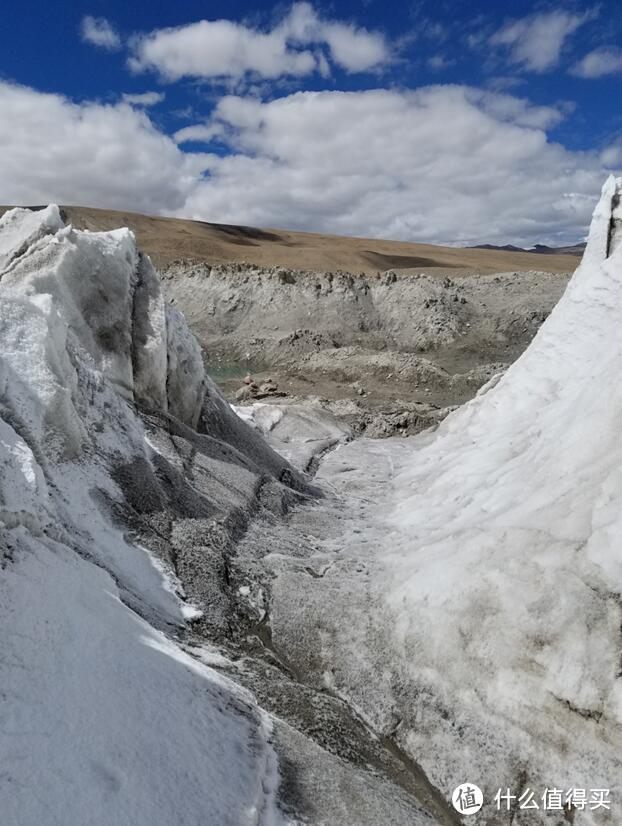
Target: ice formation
(88,656)
(505,560)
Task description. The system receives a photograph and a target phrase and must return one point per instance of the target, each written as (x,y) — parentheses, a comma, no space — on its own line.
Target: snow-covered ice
(300,433)
(106,721)
(104,718)
(505,562)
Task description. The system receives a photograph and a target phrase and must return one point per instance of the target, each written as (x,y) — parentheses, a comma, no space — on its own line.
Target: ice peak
(605,232)
(105,296)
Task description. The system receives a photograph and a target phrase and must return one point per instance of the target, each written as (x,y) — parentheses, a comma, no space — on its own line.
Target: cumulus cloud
(535,42)
(351,47)
(200,132)
(100,32)
(441,164)
(144,98)
(446,164)
(109,156)
(604,61)
(212,49)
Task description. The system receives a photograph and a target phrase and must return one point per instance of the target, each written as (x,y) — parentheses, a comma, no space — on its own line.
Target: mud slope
(378,338)
(169,239)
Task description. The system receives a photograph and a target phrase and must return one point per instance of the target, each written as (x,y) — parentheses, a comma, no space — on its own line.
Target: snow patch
(263,417)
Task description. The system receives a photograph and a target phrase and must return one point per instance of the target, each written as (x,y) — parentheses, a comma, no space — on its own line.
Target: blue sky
(451,122)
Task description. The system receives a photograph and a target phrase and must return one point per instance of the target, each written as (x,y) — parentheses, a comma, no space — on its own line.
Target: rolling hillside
(169,239)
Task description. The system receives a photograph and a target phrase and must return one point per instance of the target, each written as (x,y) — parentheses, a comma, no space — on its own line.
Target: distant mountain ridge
(541,249)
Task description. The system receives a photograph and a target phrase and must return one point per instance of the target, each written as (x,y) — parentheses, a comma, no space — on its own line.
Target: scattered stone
(243,393)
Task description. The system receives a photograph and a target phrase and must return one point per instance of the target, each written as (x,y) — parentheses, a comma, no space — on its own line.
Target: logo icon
(467,798)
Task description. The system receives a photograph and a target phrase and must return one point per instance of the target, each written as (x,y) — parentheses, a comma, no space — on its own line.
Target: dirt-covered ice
(89,652)
(473,573)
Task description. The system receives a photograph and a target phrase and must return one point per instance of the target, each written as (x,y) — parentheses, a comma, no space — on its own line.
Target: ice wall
(105,718)
(506,563)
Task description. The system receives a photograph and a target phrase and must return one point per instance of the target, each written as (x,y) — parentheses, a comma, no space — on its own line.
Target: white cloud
(353,48)
(110,156)
(509,109)
(200,132)
(100,32)
(144,98)
(440,164)
(535,42)
(604,61)
(223,49)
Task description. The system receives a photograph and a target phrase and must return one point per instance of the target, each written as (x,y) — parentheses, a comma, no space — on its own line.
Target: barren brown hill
(169,239)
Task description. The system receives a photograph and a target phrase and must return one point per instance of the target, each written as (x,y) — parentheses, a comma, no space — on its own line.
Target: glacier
(457,594)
